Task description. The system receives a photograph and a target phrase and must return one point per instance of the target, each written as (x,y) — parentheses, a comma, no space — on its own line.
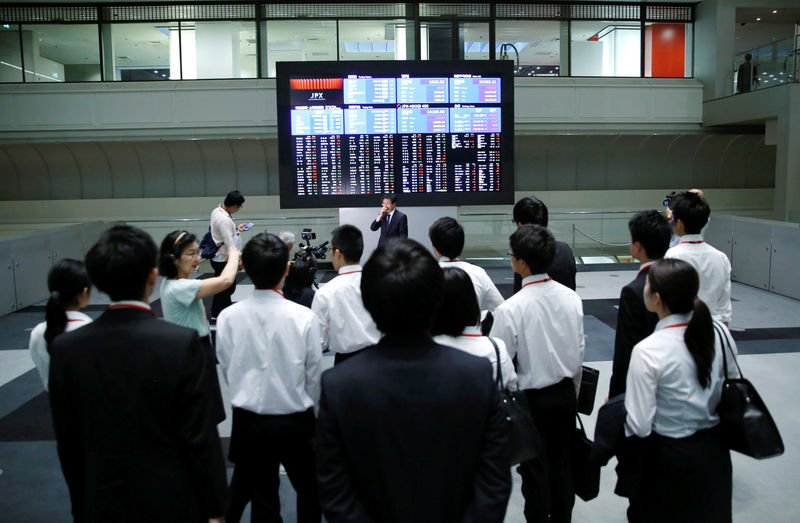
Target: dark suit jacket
(410,430)
(561,270)
(133,416)
(398,227)
(634,323)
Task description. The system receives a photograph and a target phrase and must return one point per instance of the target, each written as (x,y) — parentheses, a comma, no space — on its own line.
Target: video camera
(668,199)
(315,252)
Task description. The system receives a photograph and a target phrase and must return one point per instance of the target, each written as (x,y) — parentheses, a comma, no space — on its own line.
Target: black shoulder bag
(746,424)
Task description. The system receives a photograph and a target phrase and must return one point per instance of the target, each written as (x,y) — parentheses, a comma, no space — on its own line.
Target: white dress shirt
(38,347)
(345,325)
(223,229)
(268,349)
(473,342)
(662,390)
(714,270)
(542,325)
(486,292)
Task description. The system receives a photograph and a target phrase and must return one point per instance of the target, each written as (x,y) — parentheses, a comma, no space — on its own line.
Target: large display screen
(436,133)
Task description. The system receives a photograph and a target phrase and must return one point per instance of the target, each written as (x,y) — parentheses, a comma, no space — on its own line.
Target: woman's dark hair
(171,249)
(677,283)
(301,275)
(66,282)
(459,304)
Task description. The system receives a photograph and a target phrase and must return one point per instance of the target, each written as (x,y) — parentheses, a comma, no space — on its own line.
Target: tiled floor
(766,326)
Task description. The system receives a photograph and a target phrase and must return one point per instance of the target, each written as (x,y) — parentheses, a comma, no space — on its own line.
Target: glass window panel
(218,50)
(299,41)
(371,39)
(436,41)
(537,42)
(10,55)
(61,53)
(601,48)
(142,52)
(476,36)
(668,50)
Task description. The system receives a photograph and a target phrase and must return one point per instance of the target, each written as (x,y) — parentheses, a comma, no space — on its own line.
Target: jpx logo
(317,96)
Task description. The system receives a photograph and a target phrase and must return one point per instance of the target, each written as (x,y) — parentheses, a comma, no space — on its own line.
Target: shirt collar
(673,319)
(446,259)
(692,238)
(267,294)
(534,277)
(132,303)
(349,268)
(472,330)
(77,315)
(646,265)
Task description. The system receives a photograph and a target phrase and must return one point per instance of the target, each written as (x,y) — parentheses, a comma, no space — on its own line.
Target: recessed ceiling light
(774,11)
(758,19)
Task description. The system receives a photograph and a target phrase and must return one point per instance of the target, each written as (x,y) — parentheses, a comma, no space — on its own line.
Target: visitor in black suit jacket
(650,235)
(410,430)
(132,411)
(391,222)
(532,210)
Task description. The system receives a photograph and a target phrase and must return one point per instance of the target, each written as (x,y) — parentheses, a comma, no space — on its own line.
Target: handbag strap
(726,346)
(499,379)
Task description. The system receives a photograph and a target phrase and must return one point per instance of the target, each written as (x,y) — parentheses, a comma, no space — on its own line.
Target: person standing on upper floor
(410,430)
(70,288)
(690,213)
(673,389)
(269,352)
(225,234)
(447,238)
(531,210)
(746,76)
(391,222)
(650,233)
(133,417)
(345,325)
(542,326)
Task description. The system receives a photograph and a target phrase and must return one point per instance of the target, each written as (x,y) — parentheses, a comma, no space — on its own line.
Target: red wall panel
(668,51)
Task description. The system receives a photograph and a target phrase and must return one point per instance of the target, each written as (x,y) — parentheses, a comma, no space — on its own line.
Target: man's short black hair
(121,261)
(460,307)
(392,197)
(653,231)
(401,287)
(264,258)
(171,250)
(531,210)
(447,236)
(535,245)
(350,242)
(692,209)
(234,198)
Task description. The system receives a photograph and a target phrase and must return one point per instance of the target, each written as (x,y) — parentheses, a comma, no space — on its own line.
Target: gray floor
(32,487)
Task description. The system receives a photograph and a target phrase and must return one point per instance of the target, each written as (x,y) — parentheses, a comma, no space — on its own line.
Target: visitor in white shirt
(542,325)
(455,325)
(269,351)
(689,215)
(345,325)
(447,238)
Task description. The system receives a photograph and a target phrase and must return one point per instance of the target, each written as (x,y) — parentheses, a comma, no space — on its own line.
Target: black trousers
(553,411)
(684,479)
(259,445)
(221,299)
(218,405)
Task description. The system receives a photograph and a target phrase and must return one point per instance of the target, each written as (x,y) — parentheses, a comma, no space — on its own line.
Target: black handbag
(588,390)
(746,424)
(585,472)
(524,441)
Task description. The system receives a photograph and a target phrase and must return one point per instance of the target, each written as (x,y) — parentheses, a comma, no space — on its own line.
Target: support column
(787,161)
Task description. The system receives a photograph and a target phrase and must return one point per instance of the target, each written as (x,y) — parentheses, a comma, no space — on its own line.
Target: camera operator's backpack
(207,246)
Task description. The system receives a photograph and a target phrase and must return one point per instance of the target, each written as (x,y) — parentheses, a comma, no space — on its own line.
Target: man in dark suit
(391,222)
(410,430)
(532,210)
(650,235)
(132,409)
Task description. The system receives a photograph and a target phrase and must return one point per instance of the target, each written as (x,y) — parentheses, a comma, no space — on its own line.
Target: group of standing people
(408,424)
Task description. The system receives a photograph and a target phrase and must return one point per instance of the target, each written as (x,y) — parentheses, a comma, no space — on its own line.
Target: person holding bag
(674,386)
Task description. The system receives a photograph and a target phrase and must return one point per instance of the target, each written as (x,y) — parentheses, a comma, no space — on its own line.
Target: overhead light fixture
(758,19)
(774,11)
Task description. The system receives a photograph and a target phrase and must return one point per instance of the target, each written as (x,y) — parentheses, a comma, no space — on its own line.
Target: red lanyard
(278,292)
(451,261)
(473,335)
(677,325)
(126,306)
(537,281)
(350,272)
(699,241)
(643,268)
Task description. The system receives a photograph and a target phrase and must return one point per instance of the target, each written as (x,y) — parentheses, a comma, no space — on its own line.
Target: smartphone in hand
(247,226)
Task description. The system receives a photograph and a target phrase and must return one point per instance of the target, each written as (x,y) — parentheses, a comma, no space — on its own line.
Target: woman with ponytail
(674,385)
(69,286)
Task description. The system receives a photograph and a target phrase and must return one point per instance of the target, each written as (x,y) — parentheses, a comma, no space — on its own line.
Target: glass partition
(10,55)
(773,64)
(372,40)
(298,41)
(538,44)
(61,53)
(668,50)
(140,52)
(605,48)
